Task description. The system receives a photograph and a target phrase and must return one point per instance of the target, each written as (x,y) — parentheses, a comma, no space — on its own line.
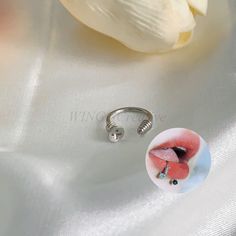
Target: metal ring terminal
(115,133)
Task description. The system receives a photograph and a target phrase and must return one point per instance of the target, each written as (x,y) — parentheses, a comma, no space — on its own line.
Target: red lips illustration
(175,152)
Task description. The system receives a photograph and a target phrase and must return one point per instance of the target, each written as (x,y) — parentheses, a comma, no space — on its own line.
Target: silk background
(59,176)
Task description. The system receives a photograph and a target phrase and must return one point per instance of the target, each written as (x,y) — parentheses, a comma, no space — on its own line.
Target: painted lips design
(175,152)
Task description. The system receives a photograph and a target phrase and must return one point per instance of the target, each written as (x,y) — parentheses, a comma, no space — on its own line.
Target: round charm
(178,160)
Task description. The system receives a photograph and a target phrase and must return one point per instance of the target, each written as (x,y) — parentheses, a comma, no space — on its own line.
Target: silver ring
(115,133)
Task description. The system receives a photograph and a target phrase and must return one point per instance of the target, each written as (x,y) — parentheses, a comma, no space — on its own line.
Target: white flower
(142,25)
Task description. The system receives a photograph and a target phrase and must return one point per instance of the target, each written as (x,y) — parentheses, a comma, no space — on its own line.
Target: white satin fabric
(59,176)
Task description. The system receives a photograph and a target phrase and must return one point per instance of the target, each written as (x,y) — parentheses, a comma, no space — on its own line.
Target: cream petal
(184,39)
(183,15)
(200,6)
